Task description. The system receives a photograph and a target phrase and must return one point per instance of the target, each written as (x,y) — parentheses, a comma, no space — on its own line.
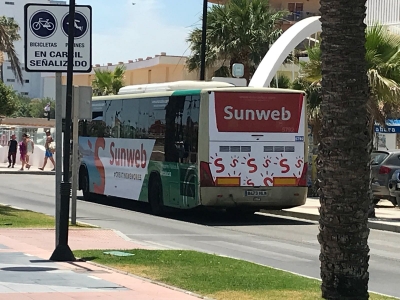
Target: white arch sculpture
(282,48)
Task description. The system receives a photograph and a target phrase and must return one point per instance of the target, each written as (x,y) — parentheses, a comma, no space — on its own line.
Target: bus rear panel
(257,154)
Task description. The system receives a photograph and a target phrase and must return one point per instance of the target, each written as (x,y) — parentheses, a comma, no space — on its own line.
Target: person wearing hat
(49,153)
(30,147)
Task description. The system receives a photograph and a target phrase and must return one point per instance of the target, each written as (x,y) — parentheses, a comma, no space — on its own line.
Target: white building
(32,83)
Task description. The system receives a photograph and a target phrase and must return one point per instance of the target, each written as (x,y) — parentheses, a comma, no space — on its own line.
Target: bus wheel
(87,195)
(156,196)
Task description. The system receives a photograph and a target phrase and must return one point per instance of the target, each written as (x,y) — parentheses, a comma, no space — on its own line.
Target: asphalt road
(283,243)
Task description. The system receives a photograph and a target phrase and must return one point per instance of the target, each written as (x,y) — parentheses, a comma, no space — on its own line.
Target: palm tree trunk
(344,152)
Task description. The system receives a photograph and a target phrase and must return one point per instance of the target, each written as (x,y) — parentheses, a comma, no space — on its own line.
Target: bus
(188,144)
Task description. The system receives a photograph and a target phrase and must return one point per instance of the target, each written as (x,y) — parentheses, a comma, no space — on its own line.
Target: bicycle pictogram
(43,23)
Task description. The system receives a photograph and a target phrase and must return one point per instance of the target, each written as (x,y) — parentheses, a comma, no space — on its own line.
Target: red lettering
(252,165)
(258,112)
(284,165)
(144,156)
(219,165)
(126,157)
(268,181)
(137,158)
(234,163)
(112,146)
(131,157)
(249,182)
(99,188)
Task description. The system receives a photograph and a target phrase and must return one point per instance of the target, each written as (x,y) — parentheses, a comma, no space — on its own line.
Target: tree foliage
(383,61)
(8,100)
(108,82)
(36,107)
(240,31)
(8,35)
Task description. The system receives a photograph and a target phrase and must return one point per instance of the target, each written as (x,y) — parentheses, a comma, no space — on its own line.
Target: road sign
(46,38)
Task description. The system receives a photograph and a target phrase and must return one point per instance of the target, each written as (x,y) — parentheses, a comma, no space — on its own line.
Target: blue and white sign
(81,25)
(46,38)
(388,129)
(43,24)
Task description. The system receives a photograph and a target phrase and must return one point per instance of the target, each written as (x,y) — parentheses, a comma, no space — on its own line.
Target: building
(160,68)
(31,85)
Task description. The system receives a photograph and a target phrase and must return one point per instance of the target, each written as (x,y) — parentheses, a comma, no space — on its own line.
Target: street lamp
(203,42)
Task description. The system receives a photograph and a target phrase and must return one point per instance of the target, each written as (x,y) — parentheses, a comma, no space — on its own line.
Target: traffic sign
(46,38)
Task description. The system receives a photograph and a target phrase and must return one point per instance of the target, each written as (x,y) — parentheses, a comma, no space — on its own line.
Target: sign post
(58,38)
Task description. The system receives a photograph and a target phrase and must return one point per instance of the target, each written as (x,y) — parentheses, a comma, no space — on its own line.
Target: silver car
(383,165)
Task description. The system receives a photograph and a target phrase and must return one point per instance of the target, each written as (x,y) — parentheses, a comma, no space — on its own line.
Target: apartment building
(32,83)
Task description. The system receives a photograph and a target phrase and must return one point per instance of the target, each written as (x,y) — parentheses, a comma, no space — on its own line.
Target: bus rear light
(227,181)
(303,177)
(206,178)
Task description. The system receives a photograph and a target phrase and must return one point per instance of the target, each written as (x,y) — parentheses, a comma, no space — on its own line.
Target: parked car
(384,164)
(394,186)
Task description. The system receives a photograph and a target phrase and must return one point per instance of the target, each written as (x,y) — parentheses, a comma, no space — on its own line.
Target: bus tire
(155,195)
(84,184)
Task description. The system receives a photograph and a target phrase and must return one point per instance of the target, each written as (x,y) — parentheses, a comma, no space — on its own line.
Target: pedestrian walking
(30,147)
(22,151)
(49,151)
(12,151)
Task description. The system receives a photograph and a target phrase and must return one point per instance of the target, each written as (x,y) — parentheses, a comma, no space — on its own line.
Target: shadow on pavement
(201,216)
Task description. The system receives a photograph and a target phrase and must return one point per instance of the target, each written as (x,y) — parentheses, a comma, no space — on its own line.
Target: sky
(123,31)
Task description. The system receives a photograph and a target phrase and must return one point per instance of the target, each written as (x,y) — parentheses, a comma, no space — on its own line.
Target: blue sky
(122,31)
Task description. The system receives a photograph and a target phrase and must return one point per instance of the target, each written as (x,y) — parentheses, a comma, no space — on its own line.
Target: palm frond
(7,46)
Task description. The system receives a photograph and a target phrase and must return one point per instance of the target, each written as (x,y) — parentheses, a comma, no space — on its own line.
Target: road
(283,243)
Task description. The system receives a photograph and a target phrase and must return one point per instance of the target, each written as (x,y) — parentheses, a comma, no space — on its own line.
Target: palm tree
(108,82)
(8,35)
(383,62)
(344,151)
(240,31)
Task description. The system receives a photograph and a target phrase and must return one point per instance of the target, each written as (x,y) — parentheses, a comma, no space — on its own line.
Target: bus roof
(193,91)
(172,86)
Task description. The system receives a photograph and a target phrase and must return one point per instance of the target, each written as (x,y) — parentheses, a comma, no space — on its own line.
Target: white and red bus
(192,144)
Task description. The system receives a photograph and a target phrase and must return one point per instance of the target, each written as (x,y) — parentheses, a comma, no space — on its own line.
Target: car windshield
(378,157)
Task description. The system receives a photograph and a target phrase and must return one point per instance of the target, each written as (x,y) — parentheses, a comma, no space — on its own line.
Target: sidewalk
(26,272)
(33,170)
(387,216)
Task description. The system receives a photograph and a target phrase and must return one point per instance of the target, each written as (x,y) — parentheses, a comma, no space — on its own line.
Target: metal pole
(203,42)
(75,160)
(58,151)
(62,251)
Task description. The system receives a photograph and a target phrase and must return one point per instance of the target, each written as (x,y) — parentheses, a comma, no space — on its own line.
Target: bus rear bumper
(275,198)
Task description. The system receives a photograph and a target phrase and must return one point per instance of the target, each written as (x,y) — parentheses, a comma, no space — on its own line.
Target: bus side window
(173,111)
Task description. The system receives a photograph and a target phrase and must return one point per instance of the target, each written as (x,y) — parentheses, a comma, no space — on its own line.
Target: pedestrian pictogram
(43,24)
(80,25)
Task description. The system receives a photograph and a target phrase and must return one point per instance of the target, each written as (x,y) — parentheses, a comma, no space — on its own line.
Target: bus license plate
(256,193)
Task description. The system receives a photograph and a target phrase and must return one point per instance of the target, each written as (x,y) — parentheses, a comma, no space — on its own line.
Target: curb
(28,172)
(145,279)
(372,224)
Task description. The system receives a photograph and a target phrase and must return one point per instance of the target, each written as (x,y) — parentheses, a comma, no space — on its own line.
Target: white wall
(16,11)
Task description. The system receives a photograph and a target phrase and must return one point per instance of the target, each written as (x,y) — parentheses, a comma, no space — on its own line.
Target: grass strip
(213,276)
(19,218)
